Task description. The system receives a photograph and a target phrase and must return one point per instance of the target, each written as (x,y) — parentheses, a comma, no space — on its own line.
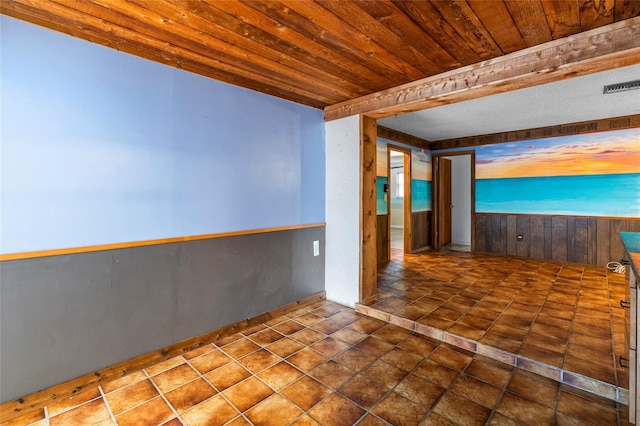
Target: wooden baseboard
(12,409)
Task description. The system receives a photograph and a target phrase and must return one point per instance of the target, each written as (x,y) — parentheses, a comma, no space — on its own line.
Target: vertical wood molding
(368,217)
(407,227)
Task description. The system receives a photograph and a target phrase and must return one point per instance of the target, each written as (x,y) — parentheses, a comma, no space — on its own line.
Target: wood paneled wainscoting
(420,230)
(420,234)
(382,238)
(579,239)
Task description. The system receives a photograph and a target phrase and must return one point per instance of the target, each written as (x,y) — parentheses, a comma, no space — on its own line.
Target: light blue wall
(98,147)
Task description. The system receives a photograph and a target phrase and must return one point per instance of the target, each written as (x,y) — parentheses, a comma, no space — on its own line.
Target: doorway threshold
(457,247)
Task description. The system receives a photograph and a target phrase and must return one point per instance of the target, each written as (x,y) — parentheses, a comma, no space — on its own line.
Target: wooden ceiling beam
(613,46)
(591,126)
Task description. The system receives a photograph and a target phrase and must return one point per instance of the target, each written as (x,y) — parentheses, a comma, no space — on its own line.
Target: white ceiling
(568,101)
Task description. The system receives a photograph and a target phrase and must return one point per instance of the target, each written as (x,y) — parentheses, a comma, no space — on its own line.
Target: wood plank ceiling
(320,53)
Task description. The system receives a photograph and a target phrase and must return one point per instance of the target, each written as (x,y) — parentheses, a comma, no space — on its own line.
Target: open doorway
(399,200)
(454,195)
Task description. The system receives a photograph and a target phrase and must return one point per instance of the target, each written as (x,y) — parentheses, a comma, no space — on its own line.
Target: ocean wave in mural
(591,175)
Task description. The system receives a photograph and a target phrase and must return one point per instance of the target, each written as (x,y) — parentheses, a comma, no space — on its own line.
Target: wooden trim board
(114,246)
(592,126)
(401,137)
(368,207)
(18,407)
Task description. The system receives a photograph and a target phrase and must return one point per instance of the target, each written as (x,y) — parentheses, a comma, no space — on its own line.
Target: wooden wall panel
(548,254)
(420,234)
(536,248)
(512,240)
(481,235)
(497,242)
(591,241)
(603,241)
(522,228)
(580,246)
(571,237)
(559,238)
(574,239)
(382,238)
(420,230)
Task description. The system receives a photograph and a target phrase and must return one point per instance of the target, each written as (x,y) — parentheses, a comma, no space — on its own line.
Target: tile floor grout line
(106,402)
(220,392)
(162,395)
(46,416)
(389,390)
(529,329)
(502,392)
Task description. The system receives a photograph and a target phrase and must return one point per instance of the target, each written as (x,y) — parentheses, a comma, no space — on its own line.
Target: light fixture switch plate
(316,248)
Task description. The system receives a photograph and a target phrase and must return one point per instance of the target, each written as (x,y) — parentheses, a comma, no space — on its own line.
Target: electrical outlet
(316,248)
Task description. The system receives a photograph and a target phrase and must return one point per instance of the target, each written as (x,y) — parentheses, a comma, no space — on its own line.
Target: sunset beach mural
(594,174)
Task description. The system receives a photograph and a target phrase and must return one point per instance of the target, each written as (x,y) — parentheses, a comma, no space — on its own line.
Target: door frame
(407,196)
(435,220)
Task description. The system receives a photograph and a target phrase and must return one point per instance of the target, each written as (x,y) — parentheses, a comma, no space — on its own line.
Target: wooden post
(368,255)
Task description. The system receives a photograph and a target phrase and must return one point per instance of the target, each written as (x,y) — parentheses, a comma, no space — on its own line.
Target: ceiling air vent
(622,87)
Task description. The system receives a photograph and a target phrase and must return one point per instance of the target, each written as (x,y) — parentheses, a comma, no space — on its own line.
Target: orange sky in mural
(598,153)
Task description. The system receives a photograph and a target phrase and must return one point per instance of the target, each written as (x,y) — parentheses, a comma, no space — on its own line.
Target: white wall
(461,199)
(342,251)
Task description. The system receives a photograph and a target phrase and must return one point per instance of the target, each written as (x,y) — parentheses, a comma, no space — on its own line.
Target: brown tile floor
(566,316)
(325,364)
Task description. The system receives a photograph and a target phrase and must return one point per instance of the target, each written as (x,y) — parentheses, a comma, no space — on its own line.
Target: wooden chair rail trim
(21,406)
(114,246)
(577,128)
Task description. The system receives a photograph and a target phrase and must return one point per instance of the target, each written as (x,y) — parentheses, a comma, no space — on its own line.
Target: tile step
(569,378)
